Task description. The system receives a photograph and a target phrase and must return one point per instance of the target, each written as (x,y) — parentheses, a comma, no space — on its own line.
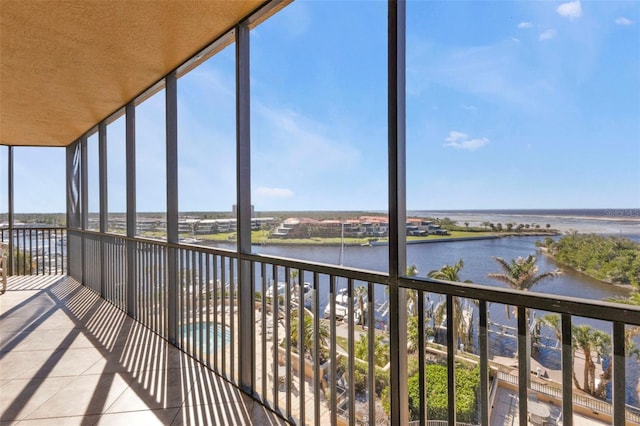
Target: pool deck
(505,411)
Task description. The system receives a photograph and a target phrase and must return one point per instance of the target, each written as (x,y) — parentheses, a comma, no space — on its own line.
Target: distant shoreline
(317,241)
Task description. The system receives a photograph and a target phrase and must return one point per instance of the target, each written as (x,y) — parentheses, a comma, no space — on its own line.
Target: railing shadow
(144,371)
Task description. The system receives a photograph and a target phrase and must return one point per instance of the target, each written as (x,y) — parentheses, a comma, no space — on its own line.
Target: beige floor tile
(70,358)
(214,414)
(64,421)
(159,356)
(17,365)
(25,303)
(9,339)
(17,323)
(209,388)
(260,415)
(46,339)
(146,417)
(20,397)
(68,362)
(85,395)
(165,389)
(55,320)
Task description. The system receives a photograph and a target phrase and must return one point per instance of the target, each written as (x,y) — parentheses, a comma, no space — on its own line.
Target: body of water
(620,222)
(478,257)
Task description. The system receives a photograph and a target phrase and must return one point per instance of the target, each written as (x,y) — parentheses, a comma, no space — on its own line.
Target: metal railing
(36,250)
(593,404)
(332,366)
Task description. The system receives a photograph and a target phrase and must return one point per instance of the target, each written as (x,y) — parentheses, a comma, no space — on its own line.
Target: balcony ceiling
(66,65)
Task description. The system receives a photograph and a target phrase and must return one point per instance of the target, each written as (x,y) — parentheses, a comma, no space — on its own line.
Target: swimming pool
(191,331)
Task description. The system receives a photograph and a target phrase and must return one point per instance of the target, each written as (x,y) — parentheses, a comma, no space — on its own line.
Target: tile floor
(68,357)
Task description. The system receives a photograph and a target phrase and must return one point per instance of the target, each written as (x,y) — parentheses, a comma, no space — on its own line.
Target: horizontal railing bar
(17,228)
(184,246)
(608,311)
(602,310)
(597,309)
(323,268)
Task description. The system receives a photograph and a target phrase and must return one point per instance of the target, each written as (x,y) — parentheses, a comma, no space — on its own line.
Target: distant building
(234,209)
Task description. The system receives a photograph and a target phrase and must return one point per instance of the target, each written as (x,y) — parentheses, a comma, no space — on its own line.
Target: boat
(342,296)
(342,311)
(280,291)
(190,241)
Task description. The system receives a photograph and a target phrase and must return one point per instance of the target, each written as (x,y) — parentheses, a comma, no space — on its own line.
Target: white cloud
(273,192)
(547,35)
(515,39)
(570,10)
(459,140)
(455,136)
(296,138)
(492,73)
(523,25)
(624,21)
(469,107)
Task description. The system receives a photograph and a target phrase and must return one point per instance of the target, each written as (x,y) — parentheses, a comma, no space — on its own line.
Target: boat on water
(190,241)
(341,311)
(280,291)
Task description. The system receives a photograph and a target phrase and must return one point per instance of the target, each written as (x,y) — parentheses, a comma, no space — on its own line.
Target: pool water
(191,331)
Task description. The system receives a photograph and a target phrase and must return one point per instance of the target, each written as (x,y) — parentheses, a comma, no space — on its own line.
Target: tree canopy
(520,273)
(611,259)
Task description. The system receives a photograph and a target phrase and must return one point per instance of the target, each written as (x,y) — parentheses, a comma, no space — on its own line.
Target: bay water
(478,257)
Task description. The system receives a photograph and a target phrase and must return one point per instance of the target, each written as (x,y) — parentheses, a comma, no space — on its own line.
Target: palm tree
(380,349)
(521,273)
(589,340)
(631,332)
(451,273)
(412,295)
(448,272)
(553,322)
(412,271)
(361,291)
(309,334)
(293,274)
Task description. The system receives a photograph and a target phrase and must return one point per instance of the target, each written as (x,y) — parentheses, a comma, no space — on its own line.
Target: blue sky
(509,105)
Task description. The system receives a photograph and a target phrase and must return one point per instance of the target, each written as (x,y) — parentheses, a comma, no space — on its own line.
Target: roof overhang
(67,65)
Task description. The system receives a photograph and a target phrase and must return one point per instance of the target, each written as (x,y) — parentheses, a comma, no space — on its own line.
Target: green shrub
(467,382)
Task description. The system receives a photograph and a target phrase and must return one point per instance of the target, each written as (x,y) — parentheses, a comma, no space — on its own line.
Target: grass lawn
(457,234)
(261,237)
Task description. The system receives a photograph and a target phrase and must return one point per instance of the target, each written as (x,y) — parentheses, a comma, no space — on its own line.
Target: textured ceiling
(66,65)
